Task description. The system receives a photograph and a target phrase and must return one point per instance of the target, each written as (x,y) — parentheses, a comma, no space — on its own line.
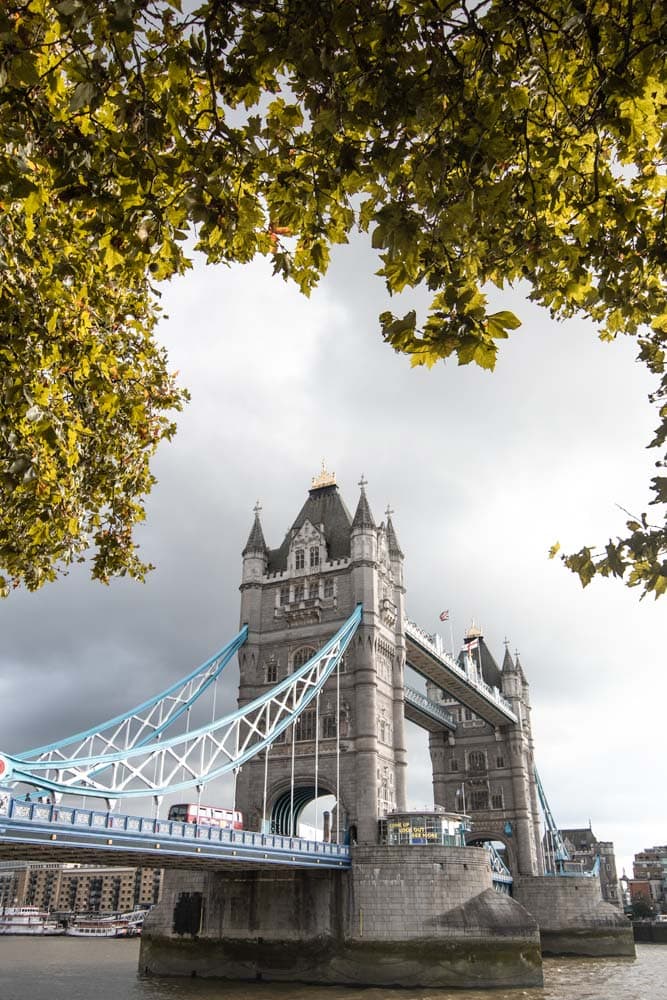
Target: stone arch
(484,836)
(304,793)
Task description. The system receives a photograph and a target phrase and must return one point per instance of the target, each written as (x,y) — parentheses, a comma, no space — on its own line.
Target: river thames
(74,969)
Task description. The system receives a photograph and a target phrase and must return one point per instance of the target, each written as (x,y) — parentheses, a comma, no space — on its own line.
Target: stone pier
(403,916)
(573,917)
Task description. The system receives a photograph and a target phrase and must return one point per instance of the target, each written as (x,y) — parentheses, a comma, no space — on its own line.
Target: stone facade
(404,916)
(490,771)
(293,599)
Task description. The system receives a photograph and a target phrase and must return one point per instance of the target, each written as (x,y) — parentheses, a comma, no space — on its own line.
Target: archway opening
(500,859)
(309,812)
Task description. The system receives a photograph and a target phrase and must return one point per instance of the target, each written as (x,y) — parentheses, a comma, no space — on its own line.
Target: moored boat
(111,926)
(28,920)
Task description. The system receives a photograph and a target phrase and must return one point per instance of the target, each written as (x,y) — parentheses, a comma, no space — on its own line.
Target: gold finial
(474,632)
(324,479)
(363,482)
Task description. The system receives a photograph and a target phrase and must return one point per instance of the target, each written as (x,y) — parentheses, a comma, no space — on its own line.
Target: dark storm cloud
(484,472)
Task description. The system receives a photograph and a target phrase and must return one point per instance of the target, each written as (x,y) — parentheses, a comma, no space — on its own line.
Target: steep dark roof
(490,672)
(392,540)
(362,515)
(255,541)
(580,839)
(323,506)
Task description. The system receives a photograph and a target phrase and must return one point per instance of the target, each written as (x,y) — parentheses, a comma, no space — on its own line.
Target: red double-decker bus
(190,812)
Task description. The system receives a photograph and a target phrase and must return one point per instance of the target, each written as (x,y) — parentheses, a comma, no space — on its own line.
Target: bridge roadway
(36,831)
(432,662)
(425,713)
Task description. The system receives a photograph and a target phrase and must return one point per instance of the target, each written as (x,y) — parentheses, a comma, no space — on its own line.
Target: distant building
(583,846)
(640,889)
(78,888)
(650,868)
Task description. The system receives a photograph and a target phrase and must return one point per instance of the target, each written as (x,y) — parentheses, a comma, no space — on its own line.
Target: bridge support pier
(573,917)
(402,916)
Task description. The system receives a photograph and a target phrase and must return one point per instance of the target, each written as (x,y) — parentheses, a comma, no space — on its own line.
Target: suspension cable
(338,751)
(291,800)
(266,780)
(317,749)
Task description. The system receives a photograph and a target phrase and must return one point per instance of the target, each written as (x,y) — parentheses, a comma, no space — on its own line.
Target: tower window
(314,556)
(328,727)
(302,656)
(453,764)
(328,587)
(497,800)
(479,800)
(299,592)
(500,761)
(476,760)
(299,559)
(305,726)
(314,588)
(284,595)
(272,671)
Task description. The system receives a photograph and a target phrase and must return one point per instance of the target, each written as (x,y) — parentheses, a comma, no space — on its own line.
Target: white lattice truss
(133,756)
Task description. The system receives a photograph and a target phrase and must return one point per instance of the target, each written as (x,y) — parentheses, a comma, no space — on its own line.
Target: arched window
(305,726)
(314,556)
(302,656)
(477,760)
(299,559)
(272,670)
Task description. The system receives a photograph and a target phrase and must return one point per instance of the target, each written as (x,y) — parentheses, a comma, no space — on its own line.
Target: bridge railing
(415,697)
(57,815)
(431,642)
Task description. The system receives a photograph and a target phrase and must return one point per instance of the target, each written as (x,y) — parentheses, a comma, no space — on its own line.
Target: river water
(78,969)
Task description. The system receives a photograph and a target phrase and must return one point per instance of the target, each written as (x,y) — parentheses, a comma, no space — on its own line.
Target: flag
(444,616)
(472,644)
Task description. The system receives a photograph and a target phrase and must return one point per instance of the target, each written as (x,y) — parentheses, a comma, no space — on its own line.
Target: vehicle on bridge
(191,812)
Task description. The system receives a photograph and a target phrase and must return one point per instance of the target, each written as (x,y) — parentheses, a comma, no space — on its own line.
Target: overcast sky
(484,473)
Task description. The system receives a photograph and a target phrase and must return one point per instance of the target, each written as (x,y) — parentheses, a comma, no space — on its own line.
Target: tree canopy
(480,144)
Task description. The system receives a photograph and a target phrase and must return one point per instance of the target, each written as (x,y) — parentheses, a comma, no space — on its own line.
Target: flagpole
(451,638)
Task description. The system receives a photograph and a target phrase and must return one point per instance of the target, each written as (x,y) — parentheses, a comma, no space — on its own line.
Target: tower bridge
(323,647)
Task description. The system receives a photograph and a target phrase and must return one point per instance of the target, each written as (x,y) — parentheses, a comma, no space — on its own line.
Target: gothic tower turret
(490,769)
(293,599)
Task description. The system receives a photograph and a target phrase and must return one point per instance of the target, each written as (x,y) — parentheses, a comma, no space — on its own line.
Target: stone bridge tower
(490,771)
(293,599)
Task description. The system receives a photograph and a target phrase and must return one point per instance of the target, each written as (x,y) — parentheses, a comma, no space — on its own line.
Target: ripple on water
(77,969)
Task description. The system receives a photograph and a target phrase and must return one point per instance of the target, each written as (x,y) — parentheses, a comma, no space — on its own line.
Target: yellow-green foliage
(480,144)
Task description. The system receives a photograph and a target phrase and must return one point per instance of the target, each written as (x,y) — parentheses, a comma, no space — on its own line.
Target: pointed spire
(519,668)
(363,518)
(255,541)
(392,540)
(509,667)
